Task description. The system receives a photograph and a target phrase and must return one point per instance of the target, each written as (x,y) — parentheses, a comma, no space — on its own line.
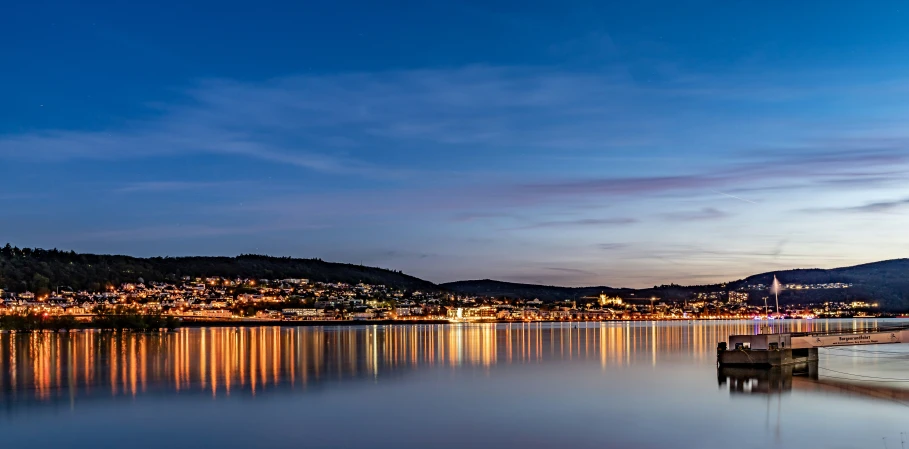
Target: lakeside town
(217,299)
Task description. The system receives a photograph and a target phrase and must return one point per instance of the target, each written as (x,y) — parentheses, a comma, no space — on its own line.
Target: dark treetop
(37,269)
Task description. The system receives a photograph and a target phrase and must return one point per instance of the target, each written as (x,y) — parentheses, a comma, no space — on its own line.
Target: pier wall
(764,358)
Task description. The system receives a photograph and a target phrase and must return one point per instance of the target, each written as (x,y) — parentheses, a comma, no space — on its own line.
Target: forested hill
(885,282)
(489,287)
(895,271)
(43,270)
(39,271)
(547,293)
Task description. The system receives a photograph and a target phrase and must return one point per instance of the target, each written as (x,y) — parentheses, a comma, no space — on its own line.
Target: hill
(489,287)
(547,293)
(885,282)
(38,269)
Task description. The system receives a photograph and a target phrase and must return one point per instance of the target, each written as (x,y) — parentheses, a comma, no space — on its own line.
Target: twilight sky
(571,143)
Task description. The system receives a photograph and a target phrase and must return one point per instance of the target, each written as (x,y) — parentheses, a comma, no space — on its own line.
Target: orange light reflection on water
(223,360)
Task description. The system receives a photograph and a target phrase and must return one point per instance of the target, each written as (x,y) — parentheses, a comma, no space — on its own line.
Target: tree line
(106,318)
(43,271)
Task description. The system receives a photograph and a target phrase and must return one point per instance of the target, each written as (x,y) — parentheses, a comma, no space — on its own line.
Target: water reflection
(224,361)
(777,379)
(803,378)
(611,384)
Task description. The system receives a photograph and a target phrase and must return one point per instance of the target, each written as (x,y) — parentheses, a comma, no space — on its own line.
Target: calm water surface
(622,385)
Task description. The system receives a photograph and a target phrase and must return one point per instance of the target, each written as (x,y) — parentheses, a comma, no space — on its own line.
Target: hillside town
(269,300)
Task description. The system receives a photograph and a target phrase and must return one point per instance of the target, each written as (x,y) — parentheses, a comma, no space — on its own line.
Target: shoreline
(197,323)
(310,323)
(304,323)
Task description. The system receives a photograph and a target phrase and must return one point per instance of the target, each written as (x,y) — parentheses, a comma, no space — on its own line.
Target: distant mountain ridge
(489,287)
(883,271)
(886,282)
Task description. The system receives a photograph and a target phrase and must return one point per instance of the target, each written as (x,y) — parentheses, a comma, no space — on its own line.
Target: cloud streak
(585,222)
(173,186)
(705,214)
(569,270)
(177,231)
(869,208)
(612,246)
(436,161)
(814,165)
(333,123)
(735,197)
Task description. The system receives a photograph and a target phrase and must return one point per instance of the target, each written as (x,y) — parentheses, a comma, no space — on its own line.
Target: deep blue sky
(570,143)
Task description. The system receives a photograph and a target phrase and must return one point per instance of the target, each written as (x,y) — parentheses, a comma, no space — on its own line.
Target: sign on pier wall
(874,338)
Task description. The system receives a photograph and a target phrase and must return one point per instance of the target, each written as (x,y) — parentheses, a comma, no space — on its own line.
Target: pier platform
(764,358)
(782,349)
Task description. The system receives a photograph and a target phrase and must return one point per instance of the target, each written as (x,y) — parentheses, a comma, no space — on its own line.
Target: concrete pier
(784,349)
(765,358)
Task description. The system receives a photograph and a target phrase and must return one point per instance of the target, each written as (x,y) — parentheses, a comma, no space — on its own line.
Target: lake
(535,385)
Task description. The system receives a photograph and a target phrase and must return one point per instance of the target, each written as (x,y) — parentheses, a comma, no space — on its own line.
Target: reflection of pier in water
(803,378)
(773,383)
(778,379)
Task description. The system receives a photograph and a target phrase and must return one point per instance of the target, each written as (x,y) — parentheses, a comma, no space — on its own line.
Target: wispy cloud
(871,208)
(166,137)
(569,270)
(734,197)
(476,216)
(707,213)
(687,253)
(178,231)
(394,253)
(512,204)
(453,152)
(585,222)
(173,186)
(812,165)
(336,122)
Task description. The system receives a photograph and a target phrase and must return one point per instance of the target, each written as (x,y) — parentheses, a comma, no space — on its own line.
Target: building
(738,297)
(472,313)
(607,301)
(210,313)
(304,314)
(365,315)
